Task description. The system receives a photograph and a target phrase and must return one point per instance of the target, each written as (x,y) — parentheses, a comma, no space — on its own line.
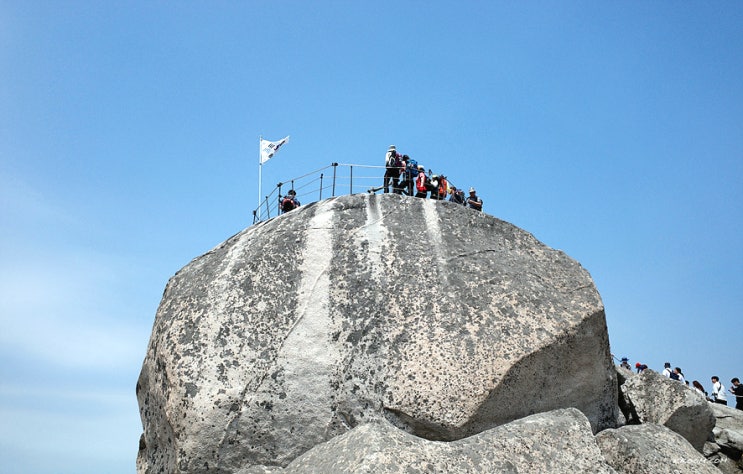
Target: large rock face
(443,321)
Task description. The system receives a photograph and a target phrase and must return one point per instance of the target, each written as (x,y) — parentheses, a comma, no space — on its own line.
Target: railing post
(278,201)
(351,167)
(321,175)
(335,167)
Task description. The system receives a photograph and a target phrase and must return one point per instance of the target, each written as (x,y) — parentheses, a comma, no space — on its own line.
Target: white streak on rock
(375,234)
(434,234)
(308,355)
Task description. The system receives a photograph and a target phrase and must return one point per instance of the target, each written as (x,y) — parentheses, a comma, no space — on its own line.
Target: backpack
(443,187)
(413,167)
(393,160)
(287,204)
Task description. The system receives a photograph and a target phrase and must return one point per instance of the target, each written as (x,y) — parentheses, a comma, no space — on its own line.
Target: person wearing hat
(625,364)
(393,166)
(289,202)
(474,202)
(420,183)
(640,367)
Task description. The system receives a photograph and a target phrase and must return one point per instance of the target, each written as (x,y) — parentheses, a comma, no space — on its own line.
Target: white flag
(268,149)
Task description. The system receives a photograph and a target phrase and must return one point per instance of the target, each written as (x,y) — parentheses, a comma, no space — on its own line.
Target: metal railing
(343,179)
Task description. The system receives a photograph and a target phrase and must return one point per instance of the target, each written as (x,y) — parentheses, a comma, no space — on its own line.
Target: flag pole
(260,170)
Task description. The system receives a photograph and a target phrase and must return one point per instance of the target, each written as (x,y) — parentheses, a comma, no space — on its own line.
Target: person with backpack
(433,185)
(474,202)
(667,370)
(457,196)
(420,183)
(392,169)
(411,173)
(403,183)
(289,202)
(443,187)
(718,391)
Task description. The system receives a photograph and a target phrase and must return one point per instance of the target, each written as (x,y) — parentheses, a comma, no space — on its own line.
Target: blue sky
(129,146)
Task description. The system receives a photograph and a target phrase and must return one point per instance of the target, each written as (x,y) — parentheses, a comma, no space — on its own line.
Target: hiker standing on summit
(420,183)
(474,202)
(392,165)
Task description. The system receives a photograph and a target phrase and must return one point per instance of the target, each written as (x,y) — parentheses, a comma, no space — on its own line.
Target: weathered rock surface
(444,321)
(555,442)
(651,449)
(660,400)
(727,449)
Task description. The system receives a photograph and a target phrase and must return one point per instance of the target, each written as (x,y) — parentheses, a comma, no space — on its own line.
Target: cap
(667,364)
(472,190)
(392,147)
(624,359)
(637,364)
(421,168)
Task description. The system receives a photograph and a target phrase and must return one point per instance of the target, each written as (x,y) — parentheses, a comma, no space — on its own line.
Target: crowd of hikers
(403,175)
(717,394)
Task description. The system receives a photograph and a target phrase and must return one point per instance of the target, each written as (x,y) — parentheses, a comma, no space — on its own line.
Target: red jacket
(420,182)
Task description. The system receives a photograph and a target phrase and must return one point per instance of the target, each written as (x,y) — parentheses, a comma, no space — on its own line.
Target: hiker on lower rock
(737,390)
(718,391)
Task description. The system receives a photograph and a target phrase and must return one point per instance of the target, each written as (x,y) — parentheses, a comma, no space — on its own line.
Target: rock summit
(380,310)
